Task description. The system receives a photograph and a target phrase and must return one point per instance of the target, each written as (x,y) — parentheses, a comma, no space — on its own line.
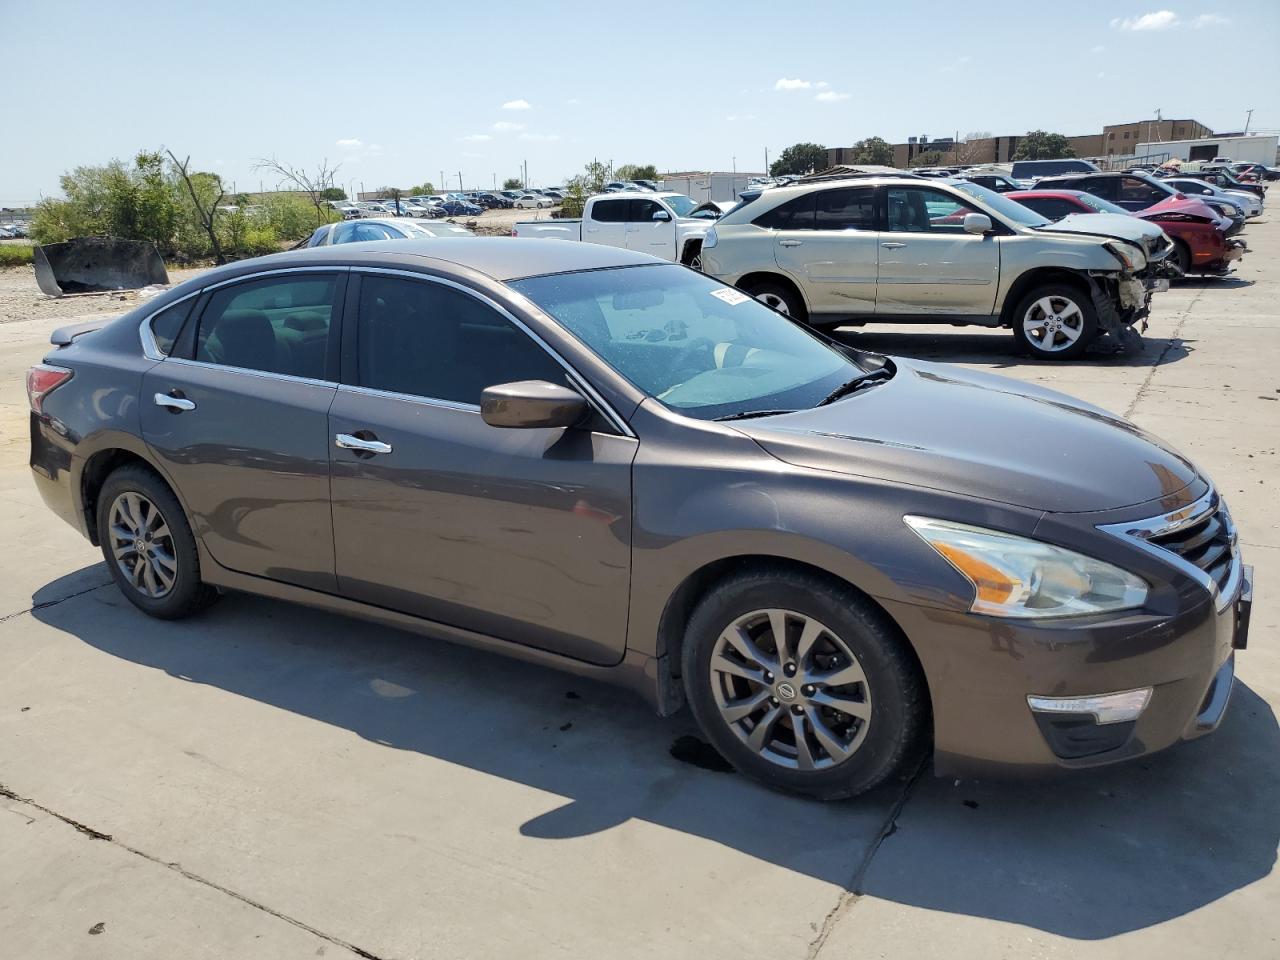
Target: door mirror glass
(977,223)
(530,404)
(661,215)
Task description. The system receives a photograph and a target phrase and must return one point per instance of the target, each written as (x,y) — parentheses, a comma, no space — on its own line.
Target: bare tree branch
(206,215)
(312,183)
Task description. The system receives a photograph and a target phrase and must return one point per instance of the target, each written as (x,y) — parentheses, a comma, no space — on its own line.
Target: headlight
(1016,577)
(1128,255)
(710,240)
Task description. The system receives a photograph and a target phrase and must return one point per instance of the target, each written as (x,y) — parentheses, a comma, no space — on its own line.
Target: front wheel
(1055,322)
(803,685)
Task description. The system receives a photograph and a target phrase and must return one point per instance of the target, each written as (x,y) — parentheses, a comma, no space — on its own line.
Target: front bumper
(982,670)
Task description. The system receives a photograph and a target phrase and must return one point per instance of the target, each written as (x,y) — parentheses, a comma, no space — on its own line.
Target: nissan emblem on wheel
(591,458)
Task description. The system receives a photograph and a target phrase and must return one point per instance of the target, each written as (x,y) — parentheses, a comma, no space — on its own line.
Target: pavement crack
(1174,341)
(853,891)
(53,603)
(195,877)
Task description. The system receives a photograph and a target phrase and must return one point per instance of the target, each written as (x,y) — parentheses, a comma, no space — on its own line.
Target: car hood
(980,436)
(1113,226)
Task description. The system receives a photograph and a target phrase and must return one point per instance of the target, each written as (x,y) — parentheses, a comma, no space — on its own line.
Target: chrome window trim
(150,349)
(576,378)
(409,398)
(1141,532)
(263,374)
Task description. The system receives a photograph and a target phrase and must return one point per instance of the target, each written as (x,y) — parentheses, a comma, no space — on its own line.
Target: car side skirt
(937,319)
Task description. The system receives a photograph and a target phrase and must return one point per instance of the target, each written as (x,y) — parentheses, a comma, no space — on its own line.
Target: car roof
(499,258)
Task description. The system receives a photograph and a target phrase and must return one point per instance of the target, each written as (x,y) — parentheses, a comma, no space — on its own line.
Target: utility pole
(495,181)
(766,160)
(734,160)
(459,181)
(1248,120)
(442,181)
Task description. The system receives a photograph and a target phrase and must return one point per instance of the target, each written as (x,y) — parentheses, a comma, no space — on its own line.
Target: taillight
(43,379)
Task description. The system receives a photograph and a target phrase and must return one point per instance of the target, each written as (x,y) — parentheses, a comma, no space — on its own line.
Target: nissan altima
(585,457)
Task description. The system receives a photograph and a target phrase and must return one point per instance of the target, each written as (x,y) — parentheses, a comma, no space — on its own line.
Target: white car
(531,201)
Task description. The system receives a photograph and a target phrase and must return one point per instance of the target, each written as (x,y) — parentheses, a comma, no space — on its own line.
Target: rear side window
(167,324)
(277,325)
(609,211)
(849,209)
(797,214)
(1051,208)
(429,340)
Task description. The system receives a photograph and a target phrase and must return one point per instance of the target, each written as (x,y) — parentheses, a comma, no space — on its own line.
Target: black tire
(897,726)
(188,594)
(780,297)
(692,257)
(1182,257)
(1083,321)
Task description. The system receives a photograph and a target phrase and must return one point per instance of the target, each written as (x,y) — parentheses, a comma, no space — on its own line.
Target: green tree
(592,180)
(930,158)
(873,150)
(512,183)
(426,188)
(800,158)
(632,171)
(333,193)
(1041,145)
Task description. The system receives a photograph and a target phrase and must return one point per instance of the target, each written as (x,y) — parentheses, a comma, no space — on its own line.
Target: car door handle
(892,245)
(790,243)
(345,441)
(176,404)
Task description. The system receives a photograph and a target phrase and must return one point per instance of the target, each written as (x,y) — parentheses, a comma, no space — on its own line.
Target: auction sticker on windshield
(731,297)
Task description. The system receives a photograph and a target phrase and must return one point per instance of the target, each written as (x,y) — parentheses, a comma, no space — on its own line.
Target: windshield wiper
(879,373)
(748,414)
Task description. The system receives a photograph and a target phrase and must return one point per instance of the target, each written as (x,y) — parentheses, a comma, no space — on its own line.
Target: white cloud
(821,84)
(476,137)
(1159,20)
(796,84)
(350,143)
(1098,49)
(740,116)
(540,137)
(1209,20)
(517,105)
(964,59)
(506,126)
(830,96)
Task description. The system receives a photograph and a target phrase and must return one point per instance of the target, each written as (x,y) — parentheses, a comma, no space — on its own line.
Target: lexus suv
(586,457)
(898,250)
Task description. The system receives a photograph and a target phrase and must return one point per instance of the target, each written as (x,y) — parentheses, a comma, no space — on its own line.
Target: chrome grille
(1206,543)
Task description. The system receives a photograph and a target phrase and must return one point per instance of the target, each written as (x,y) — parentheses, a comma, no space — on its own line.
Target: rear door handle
(790,243)
(345,441)
(892,245)
(176,404)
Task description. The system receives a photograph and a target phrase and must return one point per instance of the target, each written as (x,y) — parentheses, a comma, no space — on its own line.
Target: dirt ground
(21,299)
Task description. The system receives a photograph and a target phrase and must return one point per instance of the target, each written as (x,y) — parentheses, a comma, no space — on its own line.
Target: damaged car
(899,250)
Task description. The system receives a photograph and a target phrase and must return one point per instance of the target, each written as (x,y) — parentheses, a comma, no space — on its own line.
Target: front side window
(277,325)
(429,340)
(922,210)
(852,208)
(1136,190)
(642,211)
(699,347)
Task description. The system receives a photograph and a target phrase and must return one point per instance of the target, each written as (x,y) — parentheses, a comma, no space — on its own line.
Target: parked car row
(12,231)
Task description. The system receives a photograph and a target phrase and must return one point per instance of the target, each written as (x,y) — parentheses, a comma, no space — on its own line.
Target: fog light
(1105,708)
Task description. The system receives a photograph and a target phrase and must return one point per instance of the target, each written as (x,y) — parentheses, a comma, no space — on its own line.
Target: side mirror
(978,223)
(529,404)
(661,215)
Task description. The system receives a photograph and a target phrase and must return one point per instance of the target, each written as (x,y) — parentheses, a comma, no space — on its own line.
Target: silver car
(1250,204)
(899,249)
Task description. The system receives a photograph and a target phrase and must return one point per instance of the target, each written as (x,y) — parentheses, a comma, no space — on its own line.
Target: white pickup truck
(653,223)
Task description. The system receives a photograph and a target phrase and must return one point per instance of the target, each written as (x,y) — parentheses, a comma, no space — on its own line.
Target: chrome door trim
(150,349)
(174,403)
(263,374)
(576,378)
(345,441)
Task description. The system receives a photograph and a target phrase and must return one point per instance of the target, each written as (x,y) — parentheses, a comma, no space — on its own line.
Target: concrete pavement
(268,781)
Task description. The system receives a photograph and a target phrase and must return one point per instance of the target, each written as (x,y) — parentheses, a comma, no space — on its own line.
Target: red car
(1199,235)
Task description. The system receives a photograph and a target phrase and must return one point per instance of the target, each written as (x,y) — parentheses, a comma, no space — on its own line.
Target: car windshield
(680,204)
(1009,209)
(701,348)
(1100,205)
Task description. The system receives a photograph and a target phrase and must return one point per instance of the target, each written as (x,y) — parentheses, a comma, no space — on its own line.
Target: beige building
(1122,139)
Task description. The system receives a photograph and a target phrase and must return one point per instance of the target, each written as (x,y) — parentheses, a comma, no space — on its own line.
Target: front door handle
(176,404)
(790,243)
(345,441)
(892,245)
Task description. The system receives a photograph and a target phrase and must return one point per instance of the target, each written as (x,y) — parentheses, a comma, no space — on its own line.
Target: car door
(237,417)
(929,264)
(606,222)
(647,235)
(829,243)
(520,534)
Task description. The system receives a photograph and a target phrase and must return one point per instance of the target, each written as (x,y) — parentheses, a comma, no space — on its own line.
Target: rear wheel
(781,298)
(1055,322)
(148,545)
(1182,256)
(803,685)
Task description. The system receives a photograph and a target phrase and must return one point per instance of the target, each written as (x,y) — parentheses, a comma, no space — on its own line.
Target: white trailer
(701,187)
(1254,148)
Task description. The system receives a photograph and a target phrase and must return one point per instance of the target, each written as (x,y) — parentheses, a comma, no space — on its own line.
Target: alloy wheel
(771,300)
(1053,323)
(142,545)
(790,689)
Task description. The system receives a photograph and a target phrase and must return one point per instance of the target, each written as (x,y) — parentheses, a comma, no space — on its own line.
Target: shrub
(15,254)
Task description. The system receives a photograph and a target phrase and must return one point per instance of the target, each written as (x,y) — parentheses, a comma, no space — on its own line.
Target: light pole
(1248,120)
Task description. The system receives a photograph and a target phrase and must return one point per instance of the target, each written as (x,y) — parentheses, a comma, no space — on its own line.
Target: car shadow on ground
(1214,283)
(1090,856)
(995,349)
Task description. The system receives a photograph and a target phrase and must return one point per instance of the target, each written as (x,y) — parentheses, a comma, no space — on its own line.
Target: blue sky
(693,86)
